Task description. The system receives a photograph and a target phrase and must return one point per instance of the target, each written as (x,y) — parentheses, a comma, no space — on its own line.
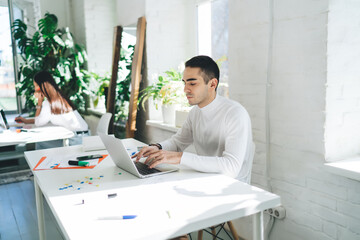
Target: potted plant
(168,92)
(53,50)
(99,85)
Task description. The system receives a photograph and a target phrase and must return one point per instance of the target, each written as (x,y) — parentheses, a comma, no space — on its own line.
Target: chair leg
(233,230)
(213,230)
(200,234)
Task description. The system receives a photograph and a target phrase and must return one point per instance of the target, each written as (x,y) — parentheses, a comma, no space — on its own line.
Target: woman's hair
(59,103)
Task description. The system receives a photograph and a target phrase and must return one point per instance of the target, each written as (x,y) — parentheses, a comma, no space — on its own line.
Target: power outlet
(277,212)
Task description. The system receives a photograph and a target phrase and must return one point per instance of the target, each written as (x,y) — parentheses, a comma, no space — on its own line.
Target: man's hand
(156,156)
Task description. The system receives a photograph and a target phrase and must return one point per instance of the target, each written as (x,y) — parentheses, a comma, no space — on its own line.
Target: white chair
(215,233)
(103,125)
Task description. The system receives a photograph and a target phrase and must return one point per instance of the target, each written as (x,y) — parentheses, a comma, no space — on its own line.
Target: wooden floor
(18,219)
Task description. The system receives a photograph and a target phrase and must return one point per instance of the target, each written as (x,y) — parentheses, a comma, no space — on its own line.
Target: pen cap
(84,164)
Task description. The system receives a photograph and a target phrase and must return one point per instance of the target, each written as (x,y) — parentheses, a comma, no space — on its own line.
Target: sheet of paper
(61,162)
(47,163)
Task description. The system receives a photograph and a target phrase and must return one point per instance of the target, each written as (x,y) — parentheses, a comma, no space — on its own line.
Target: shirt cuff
(186,159)
(167,145)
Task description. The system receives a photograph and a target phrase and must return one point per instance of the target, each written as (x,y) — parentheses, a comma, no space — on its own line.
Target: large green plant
(51,49)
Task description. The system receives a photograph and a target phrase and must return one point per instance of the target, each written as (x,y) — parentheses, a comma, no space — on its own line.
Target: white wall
(170,36)
(128,12)
(77,21)
(319,205)
(342,137)
(59,8)
(308,37)
(100,20)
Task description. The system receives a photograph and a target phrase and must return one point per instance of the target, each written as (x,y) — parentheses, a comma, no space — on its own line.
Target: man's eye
(192,84)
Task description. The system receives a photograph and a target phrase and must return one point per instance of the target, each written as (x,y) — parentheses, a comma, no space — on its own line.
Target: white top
(71,120)
(222,137)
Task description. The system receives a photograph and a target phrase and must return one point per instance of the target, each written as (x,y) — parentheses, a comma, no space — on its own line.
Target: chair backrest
(103,125)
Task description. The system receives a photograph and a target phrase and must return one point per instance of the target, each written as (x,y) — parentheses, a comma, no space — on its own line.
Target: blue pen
(124,217)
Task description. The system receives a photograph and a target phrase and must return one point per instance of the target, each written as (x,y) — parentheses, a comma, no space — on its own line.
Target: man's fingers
(155,163)
(141,153)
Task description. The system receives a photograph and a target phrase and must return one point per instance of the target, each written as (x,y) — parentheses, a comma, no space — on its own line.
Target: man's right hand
(156,156)
(145,152)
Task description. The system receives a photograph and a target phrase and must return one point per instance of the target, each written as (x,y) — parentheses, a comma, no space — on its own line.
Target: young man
(219,128)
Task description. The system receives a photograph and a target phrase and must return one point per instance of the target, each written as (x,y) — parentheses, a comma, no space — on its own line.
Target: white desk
(167,206)
(40,134)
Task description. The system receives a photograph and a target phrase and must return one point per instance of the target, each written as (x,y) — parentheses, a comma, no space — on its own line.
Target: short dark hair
(207,65)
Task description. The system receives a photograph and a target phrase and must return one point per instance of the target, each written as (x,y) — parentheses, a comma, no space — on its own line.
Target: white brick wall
(170,37)
(343,108)
(319,205)
(309,83)
(100,20)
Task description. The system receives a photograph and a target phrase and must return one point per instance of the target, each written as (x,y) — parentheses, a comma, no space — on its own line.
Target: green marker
(79,163)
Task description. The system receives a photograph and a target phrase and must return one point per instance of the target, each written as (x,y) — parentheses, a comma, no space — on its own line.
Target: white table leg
(66,142)
(40,210)
(258,226)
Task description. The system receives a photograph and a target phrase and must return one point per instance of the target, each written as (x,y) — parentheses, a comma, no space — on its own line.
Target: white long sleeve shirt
(222,137)
(71,120)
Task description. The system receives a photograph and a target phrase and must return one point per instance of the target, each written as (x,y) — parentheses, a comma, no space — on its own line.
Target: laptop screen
(3,119)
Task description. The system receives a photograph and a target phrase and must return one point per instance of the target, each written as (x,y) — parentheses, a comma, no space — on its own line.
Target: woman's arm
(40,99)
(24,120)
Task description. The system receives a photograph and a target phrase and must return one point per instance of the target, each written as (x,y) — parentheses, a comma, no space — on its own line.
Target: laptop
(4,120)
(122,159)
(9,125)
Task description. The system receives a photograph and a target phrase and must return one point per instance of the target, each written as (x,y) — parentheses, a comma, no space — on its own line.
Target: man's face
(196,90)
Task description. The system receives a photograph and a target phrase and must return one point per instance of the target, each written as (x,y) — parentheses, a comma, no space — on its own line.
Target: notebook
(122,159)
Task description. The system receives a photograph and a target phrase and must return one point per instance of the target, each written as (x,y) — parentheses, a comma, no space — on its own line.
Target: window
(7,75)
(19,9)
(212,18)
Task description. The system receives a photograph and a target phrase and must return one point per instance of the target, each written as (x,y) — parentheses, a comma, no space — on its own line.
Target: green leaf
(47,25)
(59,41)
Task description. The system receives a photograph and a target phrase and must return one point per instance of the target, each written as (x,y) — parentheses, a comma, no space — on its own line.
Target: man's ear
(213,83)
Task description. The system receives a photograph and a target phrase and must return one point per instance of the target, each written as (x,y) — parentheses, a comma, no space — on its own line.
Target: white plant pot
(168,112)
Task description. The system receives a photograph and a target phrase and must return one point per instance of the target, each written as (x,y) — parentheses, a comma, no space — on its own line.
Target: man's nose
(186,89)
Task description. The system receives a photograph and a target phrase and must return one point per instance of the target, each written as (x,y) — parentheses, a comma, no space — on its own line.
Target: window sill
(161,125)
(349,168)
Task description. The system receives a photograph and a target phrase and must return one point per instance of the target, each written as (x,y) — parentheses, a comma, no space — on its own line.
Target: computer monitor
(3,119)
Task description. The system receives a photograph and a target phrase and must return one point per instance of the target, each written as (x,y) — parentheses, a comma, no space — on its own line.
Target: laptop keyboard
(144,169)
